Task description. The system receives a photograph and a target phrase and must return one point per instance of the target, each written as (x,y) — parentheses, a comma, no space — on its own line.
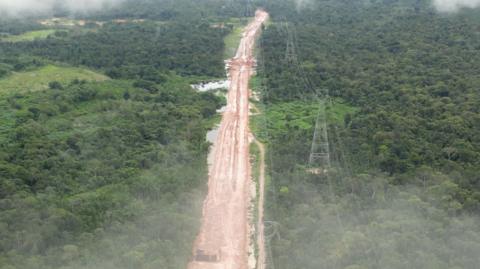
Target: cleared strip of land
(223,241)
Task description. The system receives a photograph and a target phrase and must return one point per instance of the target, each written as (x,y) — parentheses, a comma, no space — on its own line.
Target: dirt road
(223,241)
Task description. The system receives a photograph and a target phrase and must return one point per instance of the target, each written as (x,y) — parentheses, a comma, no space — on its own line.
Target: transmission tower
(290,53)
(249,8)
(319,160)
(271,231)
(320,151)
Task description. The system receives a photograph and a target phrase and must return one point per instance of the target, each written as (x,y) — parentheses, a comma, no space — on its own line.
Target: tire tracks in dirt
(223,241)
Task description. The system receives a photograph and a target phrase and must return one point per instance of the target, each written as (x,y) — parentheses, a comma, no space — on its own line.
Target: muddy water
(211,86)
(213,134)
(212,137)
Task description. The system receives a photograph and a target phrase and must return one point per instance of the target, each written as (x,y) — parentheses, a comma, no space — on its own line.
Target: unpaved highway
(223,241)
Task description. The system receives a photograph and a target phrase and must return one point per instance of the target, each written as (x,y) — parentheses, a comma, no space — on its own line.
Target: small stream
(212,134)
(212,85)
(211,137)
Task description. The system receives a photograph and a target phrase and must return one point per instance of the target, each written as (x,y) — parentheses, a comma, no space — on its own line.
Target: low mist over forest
(41,7)
(455,5)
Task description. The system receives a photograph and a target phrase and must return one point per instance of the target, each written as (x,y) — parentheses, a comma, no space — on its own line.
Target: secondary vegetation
(233,39)
(28,36)
(44,77)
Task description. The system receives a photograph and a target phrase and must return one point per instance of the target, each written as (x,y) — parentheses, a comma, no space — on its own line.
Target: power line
(290,51)
(269,263)
(324,141)
(320,158)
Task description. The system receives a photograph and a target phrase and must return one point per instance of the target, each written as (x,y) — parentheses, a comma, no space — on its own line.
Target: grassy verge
(29,36)
(39,79)
(233,39)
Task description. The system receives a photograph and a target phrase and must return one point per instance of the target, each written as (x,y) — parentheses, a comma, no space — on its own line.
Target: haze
(22,7)
(455,5)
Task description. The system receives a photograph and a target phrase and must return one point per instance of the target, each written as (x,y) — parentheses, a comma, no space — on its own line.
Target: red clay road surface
(223,240)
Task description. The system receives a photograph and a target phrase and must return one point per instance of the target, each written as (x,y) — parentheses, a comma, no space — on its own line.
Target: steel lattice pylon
(249,8)
(320,150)
(290,52)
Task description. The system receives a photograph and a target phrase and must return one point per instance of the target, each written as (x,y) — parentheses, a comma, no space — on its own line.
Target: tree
(55,85)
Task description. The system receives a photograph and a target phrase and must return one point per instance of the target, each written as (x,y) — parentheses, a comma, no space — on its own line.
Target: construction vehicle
(204,256)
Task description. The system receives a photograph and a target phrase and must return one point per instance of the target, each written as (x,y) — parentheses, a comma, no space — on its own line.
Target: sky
(19,7)
(455,5)
(440,5)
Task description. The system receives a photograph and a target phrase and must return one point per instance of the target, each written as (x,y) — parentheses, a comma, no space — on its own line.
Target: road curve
(223,240)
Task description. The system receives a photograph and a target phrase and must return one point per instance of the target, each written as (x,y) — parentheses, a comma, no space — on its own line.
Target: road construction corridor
(223,241)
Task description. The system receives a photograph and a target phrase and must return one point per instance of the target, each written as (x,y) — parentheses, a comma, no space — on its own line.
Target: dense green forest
(106,173)
(175,9)
(143,51)
(404,187)
(81,161)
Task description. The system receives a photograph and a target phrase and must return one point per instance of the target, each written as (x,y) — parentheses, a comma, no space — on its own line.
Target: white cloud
(455,5)
(18,7)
